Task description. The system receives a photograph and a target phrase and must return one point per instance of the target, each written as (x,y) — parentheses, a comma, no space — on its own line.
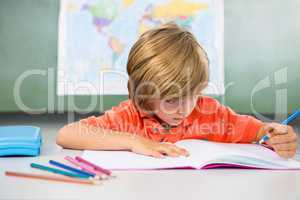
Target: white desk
(172,184)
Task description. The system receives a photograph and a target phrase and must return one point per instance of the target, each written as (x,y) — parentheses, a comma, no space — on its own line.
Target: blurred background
(261,60)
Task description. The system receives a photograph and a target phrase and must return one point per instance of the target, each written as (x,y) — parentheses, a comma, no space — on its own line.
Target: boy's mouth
(177,119)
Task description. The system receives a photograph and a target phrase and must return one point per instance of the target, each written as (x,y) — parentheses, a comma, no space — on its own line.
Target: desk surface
(169,184)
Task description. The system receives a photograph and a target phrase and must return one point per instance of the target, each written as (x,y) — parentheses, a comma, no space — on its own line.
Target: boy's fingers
(281,139)
(150,152)
(270,127)
(276,129)
(184,152)
(280,130)
(180,151)
(286,154)
(155,154)
(292,146)
(168,151)
(173,150)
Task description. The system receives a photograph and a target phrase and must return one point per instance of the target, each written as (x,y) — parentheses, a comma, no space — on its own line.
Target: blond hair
(165,62)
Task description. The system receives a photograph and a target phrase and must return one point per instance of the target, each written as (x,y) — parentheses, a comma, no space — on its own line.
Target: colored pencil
(86,168)
(69,168)
(57,171)
(105,171)
(50,178)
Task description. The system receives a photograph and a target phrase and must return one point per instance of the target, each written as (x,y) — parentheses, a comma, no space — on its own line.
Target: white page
(201,153)
(129,160)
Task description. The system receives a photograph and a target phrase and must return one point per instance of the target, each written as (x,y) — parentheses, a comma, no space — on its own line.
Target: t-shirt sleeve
(122,118)
(233,127)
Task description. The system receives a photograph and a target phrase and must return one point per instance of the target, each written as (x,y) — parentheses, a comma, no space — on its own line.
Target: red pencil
(50,178)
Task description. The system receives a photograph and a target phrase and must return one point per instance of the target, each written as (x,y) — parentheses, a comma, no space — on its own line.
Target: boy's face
(174,111)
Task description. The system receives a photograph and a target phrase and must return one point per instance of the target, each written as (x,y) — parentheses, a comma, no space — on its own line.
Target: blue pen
(285,122)
(69,168)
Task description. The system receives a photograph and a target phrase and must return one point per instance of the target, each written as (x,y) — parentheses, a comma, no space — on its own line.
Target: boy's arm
(81,136)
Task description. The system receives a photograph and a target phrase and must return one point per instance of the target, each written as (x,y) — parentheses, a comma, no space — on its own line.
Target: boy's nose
(180,113)
(183,110)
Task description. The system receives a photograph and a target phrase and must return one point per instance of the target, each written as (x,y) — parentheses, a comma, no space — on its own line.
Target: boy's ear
(204,85)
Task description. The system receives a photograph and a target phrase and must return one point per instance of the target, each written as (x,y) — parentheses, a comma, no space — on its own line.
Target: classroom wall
(262,48)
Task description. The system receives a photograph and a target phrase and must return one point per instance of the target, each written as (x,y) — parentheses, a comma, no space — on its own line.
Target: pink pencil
(95,167)
(85,167)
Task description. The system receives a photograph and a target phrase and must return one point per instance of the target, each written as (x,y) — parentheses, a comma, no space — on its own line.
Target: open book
(203,155)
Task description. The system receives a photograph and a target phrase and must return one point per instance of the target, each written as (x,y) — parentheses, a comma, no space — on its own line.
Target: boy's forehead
(177,98)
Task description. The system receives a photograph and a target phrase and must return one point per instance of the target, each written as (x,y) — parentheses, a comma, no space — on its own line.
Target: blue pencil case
(20,140)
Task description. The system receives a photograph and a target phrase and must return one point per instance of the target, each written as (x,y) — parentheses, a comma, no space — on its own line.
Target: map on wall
(95,37)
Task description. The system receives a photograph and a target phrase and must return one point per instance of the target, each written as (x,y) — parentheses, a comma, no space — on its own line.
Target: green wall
(261,37)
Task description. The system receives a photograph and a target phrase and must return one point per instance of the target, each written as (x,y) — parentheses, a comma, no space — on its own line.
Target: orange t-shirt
(209,120)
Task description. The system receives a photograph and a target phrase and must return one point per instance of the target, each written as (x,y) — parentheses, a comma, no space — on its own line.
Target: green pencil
(58,171)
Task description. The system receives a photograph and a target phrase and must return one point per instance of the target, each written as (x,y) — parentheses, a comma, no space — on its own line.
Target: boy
(167,71)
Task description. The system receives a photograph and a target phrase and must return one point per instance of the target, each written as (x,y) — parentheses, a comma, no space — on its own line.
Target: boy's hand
(283,139)
(158,150)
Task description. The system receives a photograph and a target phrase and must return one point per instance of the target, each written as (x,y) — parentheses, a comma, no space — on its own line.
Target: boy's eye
(171,101)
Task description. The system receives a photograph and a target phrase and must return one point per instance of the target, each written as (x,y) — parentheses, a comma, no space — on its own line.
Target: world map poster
(95,37)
